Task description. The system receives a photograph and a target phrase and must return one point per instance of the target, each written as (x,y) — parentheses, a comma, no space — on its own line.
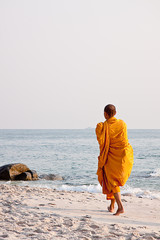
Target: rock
(51,177)
(34,175)
(17,171)
(24,176)
(9,171)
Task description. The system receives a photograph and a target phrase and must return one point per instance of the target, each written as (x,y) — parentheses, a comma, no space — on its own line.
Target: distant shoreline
(89,128)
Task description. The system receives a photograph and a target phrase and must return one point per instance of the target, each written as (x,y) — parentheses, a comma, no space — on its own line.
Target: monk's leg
(120,209)
(111,207)
(110,196)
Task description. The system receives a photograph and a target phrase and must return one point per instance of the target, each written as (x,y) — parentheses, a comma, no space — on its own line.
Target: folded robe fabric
(116,155)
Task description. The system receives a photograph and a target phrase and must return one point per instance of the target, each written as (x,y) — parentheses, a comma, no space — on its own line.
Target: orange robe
(116,155)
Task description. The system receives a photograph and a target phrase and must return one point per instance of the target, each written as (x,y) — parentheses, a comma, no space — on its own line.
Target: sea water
(72,154)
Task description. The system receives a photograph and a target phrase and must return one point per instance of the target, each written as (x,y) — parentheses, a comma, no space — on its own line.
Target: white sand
(37,213)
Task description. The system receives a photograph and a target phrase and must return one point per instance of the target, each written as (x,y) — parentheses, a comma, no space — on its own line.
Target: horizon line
(87,128)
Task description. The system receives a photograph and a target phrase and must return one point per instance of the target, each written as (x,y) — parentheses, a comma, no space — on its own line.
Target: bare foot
(119,211)
(111,209)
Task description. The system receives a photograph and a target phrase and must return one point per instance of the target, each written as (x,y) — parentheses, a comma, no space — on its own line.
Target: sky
(62,61)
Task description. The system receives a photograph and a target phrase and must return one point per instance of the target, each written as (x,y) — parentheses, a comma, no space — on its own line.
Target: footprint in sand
(4,236)
(52,204)
(85,218)
(94,226)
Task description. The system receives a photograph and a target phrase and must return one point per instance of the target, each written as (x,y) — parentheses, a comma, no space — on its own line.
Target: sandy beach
(38,213)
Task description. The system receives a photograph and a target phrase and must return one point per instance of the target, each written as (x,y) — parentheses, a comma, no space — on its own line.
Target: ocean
(72,154)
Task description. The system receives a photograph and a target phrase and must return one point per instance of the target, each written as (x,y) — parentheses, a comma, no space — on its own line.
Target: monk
(116,157)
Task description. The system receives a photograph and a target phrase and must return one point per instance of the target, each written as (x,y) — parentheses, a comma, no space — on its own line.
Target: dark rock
(24,176)
(34,175)
(17,171)
(4,172)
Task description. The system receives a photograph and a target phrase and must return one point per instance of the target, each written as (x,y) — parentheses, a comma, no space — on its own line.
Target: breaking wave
(125,191)
(155,173)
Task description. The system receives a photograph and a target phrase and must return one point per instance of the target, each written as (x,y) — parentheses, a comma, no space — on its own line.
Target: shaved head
(110,110)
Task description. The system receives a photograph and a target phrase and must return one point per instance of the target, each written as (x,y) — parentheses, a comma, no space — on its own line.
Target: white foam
(129,190)
(82,188)
(156,173)
(138,192)
(126,190)
(48,184)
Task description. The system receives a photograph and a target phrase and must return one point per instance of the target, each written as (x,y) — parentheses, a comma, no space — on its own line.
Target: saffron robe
(116,155)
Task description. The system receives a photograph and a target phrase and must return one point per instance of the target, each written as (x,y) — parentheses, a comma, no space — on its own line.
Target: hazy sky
(61,62)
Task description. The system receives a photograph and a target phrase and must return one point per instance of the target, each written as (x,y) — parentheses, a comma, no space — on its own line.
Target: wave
(82,188)
(125,191)
(138,192)
(155,173)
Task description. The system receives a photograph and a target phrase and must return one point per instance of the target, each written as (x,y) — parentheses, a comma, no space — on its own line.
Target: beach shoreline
(41,213)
